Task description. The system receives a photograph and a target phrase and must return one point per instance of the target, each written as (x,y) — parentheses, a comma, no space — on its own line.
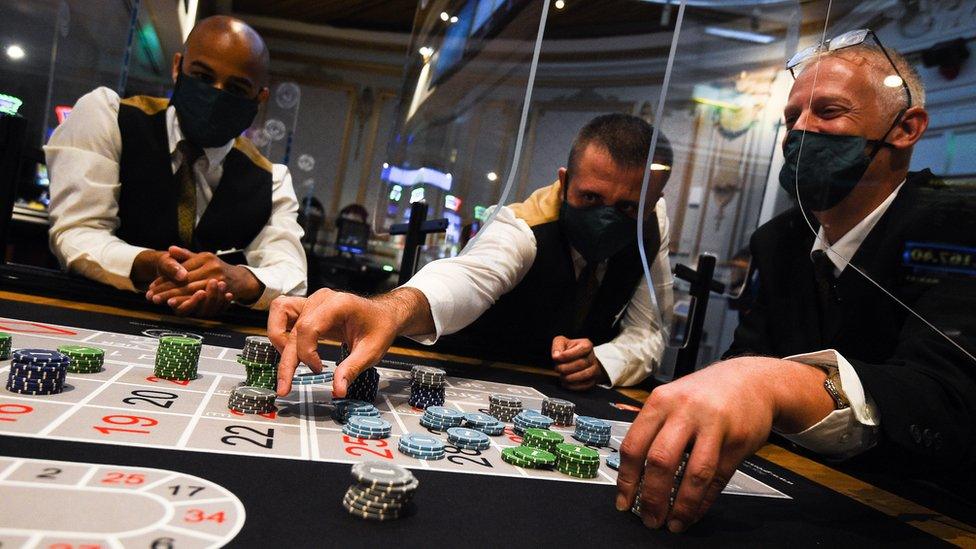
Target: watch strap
(833,387)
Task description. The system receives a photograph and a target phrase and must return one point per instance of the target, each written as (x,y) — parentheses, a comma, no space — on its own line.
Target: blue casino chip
(40,356)
(479,420)
(464,435)
(613,461)
(444,414)
(421,446)
(587,423)
(422,442)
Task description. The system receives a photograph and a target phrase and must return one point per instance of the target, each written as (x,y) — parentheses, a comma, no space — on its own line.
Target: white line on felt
(156,483)
(185,437)
(81,403)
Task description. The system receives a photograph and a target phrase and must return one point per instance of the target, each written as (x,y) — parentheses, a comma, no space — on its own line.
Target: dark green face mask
(821,169)
(210,117)
(599,232)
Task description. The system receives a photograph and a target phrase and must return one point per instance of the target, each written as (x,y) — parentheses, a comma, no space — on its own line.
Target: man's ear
(263,95)
(911,128)
(175,69)
(561,175)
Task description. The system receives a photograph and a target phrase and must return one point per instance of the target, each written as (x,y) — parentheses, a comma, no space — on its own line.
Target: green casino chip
(535,456)
(509,455)
(543,439)
(577,453)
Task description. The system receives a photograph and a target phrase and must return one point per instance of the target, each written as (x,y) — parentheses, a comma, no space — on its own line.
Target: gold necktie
(186,208)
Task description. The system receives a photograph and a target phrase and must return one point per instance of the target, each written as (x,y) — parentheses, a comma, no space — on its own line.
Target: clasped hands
(199,284)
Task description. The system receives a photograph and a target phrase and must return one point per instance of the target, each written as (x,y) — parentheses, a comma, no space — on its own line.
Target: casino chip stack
(526,457)
(504,407)
(252,400)
(679,474)
(367,427)
(345,409)
(593,431)
(427,386)
(426,447)
(260,360)
(468,439)
(308,377)
(176,358)
(543,439)
(5,343)
(364,387)
(561,411)
(37,372)
(382,491)
(484,423)
(440,418)
(577,461)
(529,419)
(84,360)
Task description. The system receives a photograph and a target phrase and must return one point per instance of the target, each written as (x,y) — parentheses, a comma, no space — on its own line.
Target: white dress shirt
(460,289)
(83,158)
(848,432)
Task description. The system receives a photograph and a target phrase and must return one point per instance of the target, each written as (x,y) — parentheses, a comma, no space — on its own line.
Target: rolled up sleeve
(460,289)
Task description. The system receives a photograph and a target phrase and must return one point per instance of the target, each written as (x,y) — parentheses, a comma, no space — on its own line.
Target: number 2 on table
(356,447)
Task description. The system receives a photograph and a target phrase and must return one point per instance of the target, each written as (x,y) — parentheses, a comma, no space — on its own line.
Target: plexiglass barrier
(713,80)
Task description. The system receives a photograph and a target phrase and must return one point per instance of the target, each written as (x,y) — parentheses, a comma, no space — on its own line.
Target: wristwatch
(833,386)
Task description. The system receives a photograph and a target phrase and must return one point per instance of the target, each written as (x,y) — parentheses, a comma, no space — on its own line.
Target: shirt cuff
(115,269)
(612,360)
(839,435)
(440,309)
(843,433)
(272,287)
(862,405)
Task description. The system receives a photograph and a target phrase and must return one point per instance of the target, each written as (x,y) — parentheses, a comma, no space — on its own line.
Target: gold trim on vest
(147,104)
(541,207)
(244,145)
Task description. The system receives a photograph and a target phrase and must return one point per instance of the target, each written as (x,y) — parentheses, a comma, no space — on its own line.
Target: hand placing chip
(724,413)
(366,326)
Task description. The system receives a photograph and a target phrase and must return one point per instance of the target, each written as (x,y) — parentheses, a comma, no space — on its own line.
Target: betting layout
(125,403)
(111,506)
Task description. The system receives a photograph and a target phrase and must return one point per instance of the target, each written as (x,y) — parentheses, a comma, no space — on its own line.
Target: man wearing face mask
(167,197)
(835,354)
(556,280)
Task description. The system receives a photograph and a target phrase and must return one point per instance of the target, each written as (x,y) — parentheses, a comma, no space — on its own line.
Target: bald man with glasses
(861,342)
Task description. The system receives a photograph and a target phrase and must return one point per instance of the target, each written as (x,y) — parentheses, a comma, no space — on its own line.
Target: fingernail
(676,526)
(171,301)
(651,522)
(622,503)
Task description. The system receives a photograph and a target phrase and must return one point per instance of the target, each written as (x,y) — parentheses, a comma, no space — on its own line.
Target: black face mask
(210,117)
(828,167)
(597,233)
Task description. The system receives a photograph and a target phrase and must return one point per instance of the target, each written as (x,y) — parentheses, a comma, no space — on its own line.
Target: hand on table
(722,415)
(295,325)
(576,364)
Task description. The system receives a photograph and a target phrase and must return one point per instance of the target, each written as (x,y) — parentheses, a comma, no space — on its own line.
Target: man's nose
(803,122)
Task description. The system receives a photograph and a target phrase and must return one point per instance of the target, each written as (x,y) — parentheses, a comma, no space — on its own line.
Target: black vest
(521,325)
(240,206)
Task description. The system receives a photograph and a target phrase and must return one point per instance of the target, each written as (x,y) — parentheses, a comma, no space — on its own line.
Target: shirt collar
(215,155)
(841,252)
